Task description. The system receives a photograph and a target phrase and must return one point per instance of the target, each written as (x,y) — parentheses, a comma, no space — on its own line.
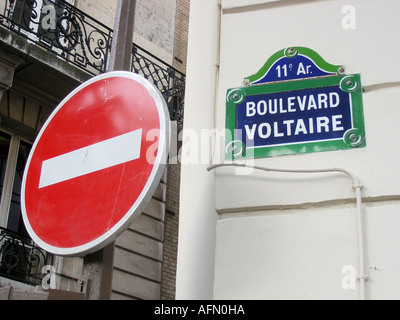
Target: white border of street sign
(148,190)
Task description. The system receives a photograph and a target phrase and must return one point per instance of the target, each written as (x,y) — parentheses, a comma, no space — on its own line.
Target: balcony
(75,37)
(21,259)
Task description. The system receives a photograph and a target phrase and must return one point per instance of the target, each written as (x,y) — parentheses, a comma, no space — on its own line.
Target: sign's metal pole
(121,47)
(97,267)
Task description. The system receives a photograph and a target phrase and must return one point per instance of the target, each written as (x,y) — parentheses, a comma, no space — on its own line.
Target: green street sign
(296,103)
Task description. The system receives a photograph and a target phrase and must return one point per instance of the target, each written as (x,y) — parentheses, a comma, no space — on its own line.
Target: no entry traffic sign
(95,163)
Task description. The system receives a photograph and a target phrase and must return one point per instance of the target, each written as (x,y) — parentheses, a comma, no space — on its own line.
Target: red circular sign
(95,163)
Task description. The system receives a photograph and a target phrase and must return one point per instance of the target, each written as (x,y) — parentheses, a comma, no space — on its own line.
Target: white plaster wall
(294,254)
(300,254)
(197,216)
(249,37)
(287,236)
(382,244)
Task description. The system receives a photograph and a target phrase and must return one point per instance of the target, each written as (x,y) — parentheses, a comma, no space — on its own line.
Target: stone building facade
(38,69)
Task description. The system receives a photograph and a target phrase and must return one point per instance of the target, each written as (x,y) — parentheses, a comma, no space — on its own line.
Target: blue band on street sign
(299,67)
(294,116)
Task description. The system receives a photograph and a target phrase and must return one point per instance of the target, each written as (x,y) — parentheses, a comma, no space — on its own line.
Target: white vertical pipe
(216,80)
(360,237)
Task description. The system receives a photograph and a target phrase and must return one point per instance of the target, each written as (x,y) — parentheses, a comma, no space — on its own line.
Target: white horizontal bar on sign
(92,158)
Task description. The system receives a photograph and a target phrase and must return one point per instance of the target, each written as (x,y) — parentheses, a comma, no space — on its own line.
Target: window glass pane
(15,222)
(4,148)
(24,13)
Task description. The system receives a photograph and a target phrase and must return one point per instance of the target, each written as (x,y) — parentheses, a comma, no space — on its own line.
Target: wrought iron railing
(168,80)
(62,29)
(21,259)
(85,42)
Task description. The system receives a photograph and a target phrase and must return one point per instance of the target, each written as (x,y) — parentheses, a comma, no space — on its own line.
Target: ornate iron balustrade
(168,80)
(62,29)
(21,259)
(85,42)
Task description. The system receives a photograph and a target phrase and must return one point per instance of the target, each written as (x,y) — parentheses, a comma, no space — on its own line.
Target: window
(26,14)
(46,21)
(13,156)
(20,258)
